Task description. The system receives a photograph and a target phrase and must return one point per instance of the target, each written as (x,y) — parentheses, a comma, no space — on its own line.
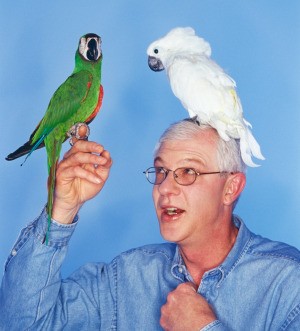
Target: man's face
(199,207)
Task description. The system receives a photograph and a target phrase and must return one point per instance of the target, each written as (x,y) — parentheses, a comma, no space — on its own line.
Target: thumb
(188,287)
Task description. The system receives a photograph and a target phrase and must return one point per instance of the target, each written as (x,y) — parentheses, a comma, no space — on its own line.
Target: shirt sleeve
(33,296)
(215,326)
(292,323)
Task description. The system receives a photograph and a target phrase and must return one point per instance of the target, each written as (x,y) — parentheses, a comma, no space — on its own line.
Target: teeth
(171,211)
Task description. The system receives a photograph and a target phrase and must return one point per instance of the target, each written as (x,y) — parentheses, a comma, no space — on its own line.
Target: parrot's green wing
(65,102)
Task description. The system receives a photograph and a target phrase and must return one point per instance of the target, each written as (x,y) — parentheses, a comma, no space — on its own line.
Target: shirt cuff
(215,326)
(58,234)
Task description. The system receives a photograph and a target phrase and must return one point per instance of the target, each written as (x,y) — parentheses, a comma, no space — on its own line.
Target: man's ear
(233,187)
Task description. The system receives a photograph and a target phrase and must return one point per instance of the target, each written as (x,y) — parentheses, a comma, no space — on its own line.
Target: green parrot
(75,103)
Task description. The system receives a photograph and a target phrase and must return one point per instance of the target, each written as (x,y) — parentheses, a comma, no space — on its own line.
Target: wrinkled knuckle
(75,145)
(184,287)
(58,172)
(171,297)
(76,157)
(181,286)
(162,322)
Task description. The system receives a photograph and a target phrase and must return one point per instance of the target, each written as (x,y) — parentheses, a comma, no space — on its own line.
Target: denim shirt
(257,287)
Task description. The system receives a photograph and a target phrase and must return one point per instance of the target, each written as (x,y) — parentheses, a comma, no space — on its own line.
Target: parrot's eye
(155,50)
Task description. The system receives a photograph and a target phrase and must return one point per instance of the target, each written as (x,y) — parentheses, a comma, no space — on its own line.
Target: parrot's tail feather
(246,154)
(52,165)
(255,148)
(249,147)
(27,147)
(23,150)
(34,147)
(51,187)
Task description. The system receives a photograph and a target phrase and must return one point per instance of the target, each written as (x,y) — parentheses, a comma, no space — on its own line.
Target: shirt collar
(178,268)
(239,248)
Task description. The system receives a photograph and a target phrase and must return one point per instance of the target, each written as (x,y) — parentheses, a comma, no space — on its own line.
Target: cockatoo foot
(194,120)
(79,131)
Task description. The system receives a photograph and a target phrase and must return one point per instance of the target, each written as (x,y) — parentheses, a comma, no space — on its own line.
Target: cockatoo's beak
(155,64)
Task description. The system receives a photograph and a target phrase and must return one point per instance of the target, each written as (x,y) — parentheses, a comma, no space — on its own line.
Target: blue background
(255,41)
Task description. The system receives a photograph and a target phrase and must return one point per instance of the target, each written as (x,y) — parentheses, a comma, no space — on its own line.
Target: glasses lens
(185,176)
(155,175)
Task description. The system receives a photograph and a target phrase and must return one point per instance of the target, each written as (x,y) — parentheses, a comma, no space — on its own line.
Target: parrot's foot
(193,119)
(79,131)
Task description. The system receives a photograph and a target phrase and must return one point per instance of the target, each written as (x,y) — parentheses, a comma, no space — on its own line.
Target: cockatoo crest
(203,87)
(176,41)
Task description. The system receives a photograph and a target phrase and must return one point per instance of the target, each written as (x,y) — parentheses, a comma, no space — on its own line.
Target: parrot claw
(79,131)
(193,119)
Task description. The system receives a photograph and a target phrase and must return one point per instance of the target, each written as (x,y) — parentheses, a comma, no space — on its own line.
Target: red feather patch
(98,106)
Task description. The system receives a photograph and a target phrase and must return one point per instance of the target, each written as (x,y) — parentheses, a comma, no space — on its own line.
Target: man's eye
(188,171)
(159,170)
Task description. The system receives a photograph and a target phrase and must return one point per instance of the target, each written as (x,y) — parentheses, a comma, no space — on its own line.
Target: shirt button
(180,270)
(13,252)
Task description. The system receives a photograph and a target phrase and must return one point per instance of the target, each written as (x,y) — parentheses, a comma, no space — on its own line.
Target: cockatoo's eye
(156,51)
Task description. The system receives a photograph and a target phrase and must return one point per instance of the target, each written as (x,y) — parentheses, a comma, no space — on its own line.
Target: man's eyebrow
(186,160)
(157,158)
(193,160)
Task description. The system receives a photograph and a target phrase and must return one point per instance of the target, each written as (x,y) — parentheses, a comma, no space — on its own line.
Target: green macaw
(77,100)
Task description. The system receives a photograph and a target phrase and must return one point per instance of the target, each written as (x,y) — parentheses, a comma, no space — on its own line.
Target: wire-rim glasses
(182,176)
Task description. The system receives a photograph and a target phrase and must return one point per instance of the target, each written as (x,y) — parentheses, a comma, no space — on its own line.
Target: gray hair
(228,152)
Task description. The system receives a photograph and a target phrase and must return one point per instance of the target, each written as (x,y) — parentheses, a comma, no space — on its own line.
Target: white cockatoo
(203,87)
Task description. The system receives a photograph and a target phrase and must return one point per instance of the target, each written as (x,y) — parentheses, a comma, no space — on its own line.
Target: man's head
(228,152)
(191,210)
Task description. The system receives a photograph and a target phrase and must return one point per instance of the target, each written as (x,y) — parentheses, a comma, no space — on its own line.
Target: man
(214,275)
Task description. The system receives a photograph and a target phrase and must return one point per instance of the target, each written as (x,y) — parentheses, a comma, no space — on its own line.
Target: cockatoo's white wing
(203,88)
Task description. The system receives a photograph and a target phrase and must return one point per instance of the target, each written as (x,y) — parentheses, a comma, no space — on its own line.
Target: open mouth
(171,211)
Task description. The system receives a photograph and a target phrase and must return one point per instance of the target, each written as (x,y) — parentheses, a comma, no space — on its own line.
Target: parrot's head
(89,47)
(178,42)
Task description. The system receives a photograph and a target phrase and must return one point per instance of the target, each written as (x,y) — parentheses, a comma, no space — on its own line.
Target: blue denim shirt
(257,287)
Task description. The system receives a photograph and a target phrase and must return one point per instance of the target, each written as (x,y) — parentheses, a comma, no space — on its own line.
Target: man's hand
(185,309)
(80,176)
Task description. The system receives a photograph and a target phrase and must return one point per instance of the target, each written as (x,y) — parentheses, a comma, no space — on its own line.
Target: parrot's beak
(155,64)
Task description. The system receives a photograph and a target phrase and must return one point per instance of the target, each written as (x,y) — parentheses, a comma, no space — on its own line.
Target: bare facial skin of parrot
(77,100)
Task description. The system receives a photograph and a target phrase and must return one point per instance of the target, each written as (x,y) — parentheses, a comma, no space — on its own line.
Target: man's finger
(80,159)
(188,286)
(86,147)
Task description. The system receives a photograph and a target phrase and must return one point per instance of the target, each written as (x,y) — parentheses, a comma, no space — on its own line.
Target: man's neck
(209,254)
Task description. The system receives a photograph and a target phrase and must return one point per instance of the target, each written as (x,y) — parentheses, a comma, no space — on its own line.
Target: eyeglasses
(182,176)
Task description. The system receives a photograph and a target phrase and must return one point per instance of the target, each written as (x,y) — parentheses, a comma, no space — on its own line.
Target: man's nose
(169,185)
